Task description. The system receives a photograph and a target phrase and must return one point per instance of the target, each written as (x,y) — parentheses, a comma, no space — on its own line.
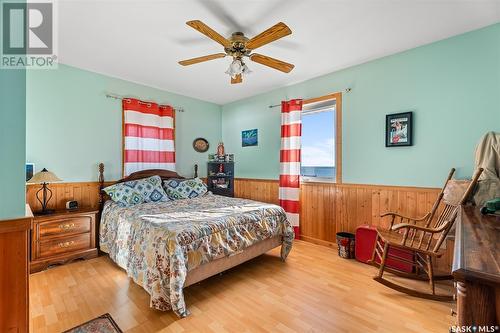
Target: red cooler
(365,241)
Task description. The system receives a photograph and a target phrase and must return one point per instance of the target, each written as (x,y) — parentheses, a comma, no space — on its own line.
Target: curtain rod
(115,96)
(347,90)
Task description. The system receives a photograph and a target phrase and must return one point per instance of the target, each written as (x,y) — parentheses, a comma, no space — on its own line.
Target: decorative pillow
(184,188)
(137,191)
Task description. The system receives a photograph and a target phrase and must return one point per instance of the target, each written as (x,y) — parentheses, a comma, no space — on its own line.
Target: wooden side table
(63,237)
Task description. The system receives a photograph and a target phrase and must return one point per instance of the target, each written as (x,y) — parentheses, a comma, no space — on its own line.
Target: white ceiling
(141,41)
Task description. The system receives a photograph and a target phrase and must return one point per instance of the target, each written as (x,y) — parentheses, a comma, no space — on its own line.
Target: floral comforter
(158,243)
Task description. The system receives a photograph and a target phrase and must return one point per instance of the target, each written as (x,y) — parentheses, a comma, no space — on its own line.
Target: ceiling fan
(239,46)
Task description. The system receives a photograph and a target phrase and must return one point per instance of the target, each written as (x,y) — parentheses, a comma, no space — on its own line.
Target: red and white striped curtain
(291,132)
(148,136)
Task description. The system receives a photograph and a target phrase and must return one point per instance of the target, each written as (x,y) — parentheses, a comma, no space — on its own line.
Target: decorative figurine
(220,150)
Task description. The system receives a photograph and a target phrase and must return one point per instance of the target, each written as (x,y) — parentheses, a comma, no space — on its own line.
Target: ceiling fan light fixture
(237,67)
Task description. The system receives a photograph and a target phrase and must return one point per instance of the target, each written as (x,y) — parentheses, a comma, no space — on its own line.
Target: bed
(167,246)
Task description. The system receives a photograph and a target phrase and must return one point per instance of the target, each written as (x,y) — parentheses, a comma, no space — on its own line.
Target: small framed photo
(249,138)
(399,129)
(30,170)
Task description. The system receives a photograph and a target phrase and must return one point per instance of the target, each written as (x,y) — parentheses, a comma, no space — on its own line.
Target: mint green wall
(72,126)
(12,143)
(453,87)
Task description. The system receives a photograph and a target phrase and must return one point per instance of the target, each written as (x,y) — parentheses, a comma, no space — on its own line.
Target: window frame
(338,139)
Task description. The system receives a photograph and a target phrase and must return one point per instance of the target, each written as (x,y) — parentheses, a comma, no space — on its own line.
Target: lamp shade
(43,176)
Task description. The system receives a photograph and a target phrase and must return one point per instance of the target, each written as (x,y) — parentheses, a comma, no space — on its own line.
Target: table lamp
(44,177)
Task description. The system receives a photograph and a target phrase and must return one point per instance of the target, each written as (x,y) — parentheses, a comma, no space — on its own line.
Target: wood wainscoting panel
(86,193)
(264,190)
(325,208)
(328,208)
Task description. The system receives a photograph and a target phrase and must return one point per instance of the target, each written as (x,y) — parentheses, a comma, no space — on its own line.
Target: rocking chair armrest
(416,227)
(423,218)
(415,220)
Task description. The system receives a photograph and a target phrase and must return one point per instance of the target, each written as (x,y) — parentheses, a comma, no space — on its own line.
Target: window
(318,141)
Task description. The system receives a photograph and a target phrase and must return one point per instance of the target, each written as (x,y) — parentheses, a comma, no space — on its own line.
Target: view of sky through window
(318,144)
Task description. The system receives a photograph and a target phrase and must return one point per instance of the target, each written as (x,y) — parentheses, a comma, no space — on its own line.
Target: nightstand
(62,237)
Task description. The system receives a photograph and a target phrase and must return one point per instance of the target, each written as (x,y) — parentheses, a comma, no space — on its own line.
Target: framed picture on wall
(399,129)
(30,170)
(249,138)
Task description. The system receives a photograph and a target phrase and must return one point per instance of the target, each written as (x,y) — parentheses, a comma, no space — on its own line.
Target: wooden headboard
(164,175)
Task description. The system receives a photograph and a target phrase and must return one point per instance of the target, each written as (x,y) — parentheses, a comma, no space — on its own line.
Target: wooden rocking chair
(424,240)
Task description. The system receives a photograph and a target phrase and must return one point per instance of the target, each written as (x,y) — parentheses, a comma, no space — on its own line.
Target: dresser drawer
(69,225)
(64,245)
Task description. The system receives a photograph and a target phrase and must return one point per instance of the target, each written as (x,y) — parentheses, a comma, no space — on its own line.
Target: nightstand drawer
(64,245)
(69,225)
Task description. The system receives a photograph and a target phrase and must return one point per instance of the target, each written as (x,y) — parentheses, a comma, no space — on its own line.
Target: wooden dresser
(476,268)
(14,277)
(62,237)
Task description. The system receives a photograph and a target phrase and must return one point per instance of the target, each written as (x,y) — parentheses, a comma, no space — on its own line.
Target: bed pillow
(137,191)
(184,188)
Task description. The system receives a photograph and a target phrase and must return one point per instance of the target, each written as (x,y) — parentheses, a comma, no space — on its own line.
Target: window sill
(316,180)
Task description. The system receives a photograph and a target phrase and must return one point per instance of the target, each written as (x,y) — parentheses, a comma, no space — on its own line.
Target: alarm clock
(73,204)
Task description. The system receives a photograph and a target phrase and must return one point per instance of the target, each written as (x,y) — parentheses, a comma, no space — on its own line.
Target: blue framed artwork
(30,170)
(249,138)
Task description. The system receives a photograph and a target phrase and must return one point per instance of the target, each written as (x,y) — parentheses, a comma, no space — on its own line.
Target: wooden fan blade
(188,62)
(209,32)
(237,79)
(275,32)
(271,62)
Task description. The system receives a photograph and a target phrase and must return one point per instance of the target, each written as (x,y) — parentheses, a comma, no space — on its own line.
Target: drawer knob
(66,244)
(66,226)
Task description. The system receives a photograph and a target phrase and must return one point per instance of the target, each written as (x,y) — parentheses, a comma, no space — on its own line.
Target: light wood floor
(314,291)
